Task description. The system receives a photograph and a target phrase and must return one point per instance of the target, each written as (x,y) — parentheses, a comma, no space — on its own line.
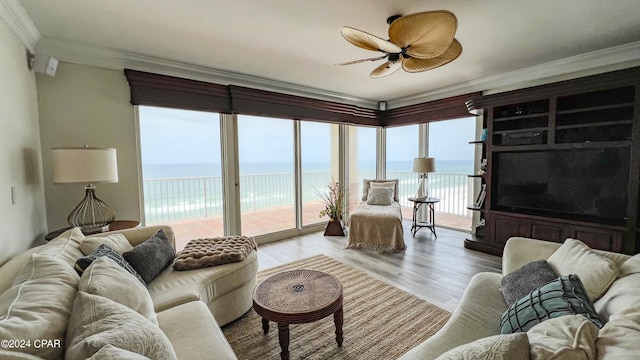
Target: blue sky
(180,136)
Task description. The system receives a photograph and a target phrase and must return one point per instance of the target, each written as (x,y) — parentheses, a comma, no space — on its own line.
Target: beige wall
(85,105)
(21,223)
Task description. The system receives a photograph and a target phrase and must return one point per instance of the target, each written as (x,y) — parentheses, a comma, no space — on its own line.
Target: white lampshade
(84,165)
(424,165)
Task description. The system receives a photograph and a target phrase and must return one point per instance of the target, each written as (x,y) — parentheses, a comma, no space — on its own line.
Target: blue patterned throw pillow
(564,296)
(104,250)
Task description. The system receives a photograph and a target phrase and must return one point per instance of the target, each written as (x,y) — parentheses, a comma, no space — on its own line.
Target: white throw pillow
(367,184)
(117,242)
(497,347)
(66,246)
(566,337)
(97,321)
(380,196)
(596,272)
(38,305)
(106,278)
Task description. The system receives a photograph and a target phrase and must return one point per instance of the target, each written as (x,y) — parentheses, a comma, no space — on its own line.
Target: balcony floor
(277,219)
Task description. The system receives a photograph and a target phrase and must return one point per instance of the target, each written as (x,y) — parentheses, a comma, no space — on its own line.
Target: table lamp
(423,166)
(87,165)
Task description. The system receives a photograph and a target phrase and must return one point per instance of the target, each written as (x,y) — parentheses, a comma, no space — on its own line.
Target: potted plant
(333,205)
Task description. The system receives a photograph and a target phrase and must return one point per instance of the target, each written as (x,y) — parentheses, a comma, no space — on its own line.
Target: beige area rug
(380,321)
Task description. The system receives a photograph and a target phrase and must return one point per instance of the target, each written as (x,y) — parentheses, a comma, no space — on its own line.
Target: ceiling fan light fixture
(418,42)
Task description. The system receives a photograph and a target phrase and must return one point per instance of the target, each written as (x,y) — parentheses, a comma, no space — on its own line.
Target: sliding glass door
(402,147)
(267,180)
(181,171)
(362,160)
(319,165)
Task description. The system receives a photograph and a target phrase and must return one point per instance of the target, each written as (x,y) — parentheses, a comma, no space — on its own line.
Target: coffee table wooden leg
(283,336)
(265,325)
(338,319)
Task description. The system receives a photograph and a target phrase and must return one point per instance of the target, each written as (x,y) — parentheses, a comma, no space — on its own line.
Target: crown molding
(118,60)
(592,63)
(16,17)
(596,62)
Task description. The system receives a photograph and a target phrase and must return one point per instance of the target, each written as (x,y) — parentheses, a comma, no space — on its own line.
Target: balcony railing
(201,197)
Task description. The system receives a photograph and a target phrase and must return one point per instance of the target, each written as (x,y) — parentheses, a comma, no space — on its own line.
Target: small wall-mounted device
(43,64)
(382,105)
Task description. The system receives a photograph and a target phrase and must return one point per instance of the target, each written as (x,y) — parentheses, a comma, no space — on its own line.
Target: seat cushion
(178,324)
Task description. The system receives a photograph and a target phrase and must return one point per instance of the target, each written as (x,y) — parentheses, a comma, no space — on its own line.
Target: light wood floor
(436,270)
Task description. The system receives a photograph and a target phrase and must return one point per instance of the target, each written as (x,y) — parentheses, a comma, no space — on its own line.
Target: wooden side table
(298,297)
(116,225)
(431,223)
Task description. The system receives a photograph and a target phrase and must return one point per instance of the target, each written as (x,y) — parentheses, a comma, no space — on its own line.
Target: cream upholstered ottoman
(225,288)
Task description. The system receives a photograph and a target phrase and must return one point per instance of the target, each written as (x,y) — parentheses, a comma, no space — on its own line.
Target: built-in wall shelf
(563,161)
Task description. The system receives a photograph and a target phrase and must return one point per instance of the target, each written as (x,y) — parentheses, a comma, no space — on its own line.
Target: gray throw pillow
(104,250)
(152,256)
(520,282)
(564,296)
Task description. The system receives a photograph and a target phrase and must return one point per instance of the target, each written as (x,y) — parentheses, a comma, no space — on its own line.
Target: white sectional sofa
(178,315)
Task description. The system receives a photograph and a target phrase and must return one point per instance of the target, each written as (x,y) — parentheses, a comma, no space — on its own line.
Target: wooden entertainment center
(563,160)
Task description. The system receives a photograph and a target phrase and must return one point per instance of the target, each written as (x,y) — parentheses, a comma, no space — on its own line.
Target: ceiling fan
(417,42)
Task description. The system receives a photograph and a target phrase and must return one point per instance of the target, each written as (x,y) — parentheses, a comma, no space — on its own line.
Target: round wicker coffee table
(298,297)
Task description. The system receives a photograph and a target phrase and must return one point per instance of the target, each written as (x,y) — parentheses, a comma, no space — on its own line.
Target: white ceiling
(294,44)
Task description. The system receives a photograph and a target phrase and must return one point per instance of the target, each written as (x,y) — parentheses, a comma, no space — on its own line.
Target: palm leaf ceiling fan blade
(387,68)
(367,41)
(362,60)
(424,35)
(413,65)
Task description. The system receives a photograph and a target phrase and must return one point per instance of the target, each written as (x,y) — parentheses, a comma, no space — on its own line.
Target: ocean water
(167,171)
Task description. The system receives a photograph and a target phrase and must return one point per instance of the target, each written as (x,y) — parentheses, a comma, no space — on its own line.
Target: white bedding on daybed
(376,227)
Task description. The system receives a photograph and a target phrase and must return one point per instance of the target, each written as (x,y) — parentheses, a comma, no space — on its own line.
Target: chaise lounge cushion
(97,321)
(38,305)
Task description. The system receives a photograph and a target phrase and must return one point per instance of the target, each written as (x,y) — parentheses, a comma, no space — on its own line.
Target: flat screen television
(579,184)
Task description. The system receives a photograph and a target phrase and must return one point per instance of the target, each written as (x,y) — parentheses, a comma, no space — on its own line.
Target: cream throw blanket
(376,227)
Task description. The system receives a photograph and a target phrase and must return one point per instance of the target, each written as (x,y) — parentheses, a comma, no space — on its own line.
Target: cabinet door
(609,240)
(547,231)
(505,227)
